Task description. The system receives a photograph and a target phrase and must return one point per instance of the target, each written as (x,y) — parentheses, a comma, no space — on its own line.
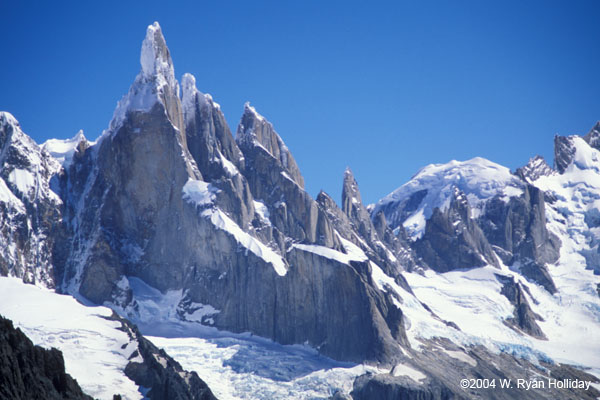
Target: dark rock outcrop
(564,151)
(388,387)
(517,230)
(275,179)
(31,372)
(593,136)
(535,169)
(443,365)
(453,239)
(159,374)
(524,318)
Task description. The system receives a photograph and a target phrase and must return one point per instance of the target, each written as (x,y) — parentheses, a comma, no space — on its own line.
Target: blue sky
(382,87)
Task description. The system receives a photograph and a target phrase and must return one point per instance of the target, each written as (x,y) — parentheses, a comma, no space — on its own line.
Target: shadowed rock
(31,372)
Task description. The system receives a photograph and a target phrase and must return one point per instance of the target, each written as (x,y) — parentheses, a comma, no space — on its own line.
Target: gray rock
(564,151)
(593,136)
(129,218)
(164,377)
(535,169)
(517,229)
(444,367)
(255,130)
(524,318)
(388,387)
(453,239)
(30,212)
(275,179)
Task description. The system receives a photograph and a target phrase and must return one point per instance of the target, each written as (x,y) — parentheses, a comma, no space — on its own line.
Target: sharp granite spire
(154,84)
(254,129)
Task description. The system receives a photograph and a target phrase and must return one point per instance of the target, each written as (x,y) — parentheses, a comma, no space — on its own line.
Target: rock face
(168,200)
(593,137)
(436,372)
(31,372)
(564,151)
(453,239)
(169,197)
(388,387)
(524,317)
(517,230)
(275,180)
(480,214)
(29,210)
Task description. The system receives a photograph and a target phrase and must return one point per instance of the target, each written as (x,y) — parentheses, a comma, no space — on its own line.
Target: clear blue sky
(382,87)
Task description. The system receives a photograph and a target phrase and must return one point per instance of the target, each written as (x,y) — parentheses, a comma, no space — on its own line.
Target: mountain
(191,232)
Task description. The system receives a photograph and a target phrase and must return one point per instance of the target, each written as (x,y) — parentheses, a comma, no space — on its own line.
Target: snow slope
(94,349)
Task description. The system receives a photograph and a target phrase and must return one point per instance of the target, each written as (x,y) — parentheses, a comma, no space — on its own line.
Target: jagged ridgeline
(169,197)
(220,230)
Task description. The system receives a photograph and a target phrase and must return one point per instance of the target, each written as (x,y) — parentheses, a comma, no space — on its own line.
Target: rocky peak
(453,239)
(29,209)
(593,136)
(255,130)
(154,84)
(155,58)
(564,152)
(350,193)
(535,169)
(353,208)
(191,97)
(208,136)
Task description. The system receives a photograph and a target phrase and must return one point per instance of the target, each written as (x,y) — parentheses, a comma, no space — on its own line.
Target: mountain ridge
(168,200)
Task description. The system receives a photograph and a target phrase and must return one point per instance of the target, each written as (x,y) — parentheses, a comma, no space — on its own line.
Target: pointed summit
(155,83)
(534,169)
(155,57)
(255,130)
(350,192)
(208,136)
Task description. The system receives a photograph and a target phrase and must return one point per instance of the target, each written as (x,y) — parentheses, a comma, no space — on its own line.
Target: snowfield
(94,349)
(235,366)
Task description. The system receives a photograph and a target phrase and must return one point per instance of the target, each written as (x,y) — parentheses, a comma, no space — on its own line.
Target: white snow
(262,211)
(92,346)
(191,97)
(222,221)
(353,252)
(7,197)
(478,178)
(245,367)
(228,166)
(252,110)
(155,75)
(199,192)
(63,149)
(155,63)
(22,179)
(462,356)
(405,370)
(154,308)
(203,194)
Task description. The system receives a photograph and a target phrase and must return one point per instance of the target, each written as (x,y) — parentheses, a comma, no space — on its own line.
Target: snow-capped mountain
(188,231)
